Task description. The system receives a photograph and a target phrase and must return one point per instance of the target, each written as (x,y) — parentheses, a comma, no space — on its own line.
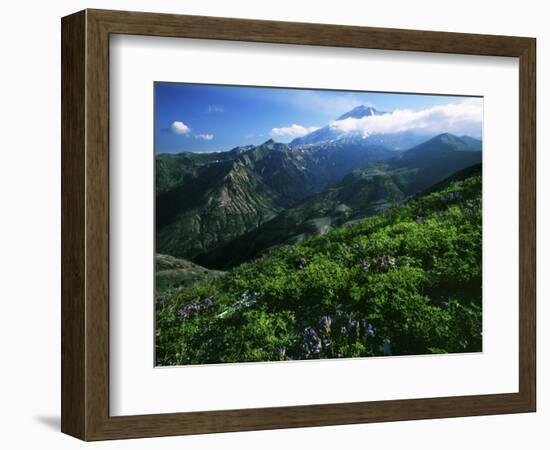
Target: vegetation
(407,281)
(221,209)
(173,272)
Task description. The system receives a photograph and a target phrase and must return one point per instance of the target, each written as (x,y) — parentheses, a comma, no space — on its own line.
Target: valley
(405,282)
(222,209)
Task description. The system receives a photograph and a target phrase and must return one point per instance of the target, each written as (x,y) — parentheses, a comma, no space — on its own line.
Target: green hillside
(172,169)
(360,194)
(172,272)
(205,201)
(404,282)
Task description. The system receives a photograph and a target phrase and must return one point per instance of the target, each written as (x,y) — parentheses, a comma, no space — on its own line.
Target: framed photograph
(273,225)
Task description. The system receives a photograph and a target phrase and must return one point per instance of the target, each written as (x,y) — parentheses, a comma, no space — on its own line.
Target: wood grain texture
(73,111)
(85,224)
(201,27)
(527,224)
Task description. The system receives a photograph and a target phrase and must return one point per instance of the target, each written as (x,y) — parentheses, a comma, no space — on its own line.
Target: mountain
(218,201)
(401,141)
(360,194)
(360,111)
(472,142)
(407,282)
(392,141)
(172,168)
(205,201)
(439,145)
(327,133)
(437,159)
(331,161)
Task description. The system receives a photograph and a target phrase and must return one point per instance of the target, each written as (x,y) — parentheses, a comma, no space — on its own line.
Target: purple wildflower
(312,342)
(188,311)
(183,313)
(310,334)
(207,302)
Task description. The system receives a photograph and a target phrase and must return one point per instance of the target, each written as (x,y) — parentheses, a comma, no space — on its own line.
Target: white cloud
(464,117)
(292,131)
(204,137)
(215,109)
(179,127)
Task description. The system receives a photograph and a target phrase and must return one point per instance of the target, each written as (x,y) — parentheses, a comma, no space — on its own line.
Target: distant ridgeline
(221,209)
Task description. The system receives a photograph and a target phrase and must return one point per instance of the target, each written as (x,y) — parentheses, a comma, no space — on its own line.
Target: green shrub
(404,282)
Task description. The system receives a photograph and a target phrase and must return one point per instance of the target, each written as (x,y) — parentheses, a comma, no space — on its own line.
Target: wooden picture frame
(85,224)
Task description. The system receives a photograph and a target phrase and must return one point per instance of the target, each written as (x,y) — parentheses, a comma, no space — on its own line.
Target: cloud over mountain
(292,131)
(464,117)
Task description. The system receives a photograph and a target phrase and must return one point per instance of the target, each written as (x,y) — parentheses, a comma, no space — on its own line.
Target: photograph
(306,224)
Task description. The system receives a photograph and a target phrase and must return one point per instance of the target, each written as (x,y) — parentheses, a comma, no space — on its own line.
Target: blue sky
(204,118)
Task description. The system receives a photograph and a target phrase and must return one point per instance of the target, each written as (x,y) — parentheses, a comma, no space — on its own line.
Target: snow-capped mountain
(361,111)
(392,141)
